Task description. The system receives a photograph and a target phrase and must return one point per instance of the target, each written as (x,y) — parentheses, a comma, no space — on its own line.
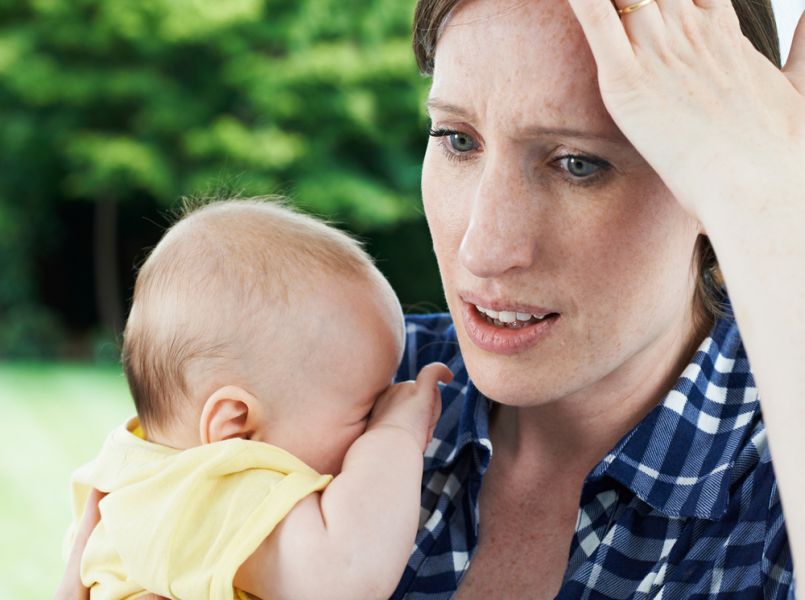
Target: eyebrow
(446,107)
(533,130)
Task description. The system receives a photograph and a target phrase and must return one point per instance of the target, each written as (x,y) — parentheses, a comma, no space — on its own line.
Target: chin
(536,378)
(511,382)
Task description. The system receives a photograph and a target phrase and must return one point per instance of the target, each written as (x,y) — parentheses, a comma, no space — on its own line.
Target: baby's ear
(230,412)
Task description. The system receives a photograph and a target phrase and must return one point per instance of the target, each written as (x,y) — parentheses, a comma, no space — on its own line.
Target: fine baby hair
(213,287)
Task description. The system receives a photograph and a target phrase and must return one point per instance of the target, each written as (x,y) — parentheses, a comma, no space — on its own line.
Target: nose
(501,233)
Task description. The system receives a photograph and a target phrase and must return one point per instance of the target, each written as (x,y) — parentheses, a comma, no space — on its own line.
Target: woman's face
(538,205)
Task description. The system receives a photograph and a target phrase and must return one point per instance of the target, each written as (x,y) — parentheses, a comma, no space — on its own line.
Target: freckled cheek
(636,259)
(447,203)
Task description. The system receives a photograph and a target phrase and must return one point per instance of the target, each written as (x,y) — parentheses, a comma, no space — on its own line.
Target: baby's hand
(413,406)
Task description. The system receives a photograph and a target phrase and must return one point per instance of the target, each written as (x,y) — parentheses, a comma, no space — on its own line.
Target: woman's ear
(230,412)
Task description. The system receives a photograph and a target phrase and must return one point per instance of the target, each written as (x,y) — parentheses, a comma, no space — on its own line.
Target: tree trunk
(107,287)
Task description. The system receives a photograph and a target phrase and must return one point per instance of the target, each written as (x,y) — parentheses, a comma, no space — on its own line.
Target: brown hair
(204,290)
(756,18)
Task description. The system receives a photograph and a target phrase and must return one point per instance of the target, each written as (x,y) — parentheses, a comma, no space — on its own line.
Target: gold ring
(633,7)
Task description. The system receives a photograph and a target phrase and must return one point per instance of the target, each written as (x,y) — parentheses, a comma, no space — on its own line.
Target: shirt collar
(464,423)
(679,458)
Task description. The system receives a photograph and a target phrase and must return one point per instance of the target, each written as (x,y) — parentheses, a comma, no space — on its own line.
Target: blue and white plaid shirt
(684,506)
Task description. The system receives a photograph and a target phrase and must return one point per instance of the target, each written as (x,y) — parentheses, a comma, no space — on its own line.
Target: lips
(506,328)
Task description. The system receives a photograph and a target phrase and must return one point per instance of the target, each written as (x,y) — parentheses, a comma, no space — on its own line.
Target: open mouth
(508,332)
(506,319)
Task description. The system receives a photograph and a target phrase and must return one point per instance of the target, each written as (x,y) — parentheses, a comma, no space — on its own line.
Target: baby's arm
(353,540)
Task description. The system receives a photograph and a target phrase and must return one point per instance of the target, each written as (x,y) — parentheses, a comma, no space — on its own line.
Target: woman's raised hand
(725,130)
(710,114)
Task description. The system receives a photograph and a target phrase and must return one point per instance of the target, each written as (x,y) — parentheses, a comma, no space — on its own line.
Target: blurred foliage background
(110,111)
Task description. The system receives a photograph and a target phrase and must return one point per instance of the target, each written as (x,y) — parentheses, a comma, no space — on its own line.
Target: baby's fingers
(433,373)
(434,418)
(426,380)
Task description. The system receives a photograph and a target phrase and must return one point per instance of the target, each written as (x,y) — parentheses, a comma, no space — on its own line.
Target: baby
(271,456)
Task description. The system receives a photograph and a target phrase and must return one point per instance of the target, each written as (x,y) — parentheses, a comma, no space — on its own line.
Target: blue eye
(579,167)
(456,144)
(461,142)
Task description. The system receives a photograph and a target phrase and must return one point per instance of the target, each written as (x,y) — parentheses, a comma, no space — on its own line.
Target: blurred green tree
(106,102)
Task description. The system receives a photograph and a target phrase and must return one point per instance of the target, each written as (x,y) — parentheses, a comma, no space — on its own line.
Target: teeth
(492,314)
(506,316)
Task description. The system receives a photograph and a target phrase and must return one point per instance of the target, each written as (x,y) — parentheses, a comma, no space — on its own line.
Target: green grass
(54,417)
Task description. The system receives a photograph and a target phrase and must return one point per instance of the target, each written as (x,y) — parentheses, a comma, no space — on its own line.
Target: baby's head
(252,320)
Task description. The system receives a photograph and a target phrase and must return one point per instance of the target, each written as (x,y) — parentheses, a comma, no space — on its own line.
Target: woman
(545,199)
(570,180)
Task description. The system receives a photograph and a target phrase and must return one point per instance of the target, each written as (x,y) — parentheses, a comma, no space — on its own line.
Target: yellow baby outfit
(181,522)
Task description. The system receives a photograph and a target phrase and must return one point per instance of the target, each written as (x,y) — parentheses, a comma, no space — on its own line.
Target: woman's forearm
(759,238)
